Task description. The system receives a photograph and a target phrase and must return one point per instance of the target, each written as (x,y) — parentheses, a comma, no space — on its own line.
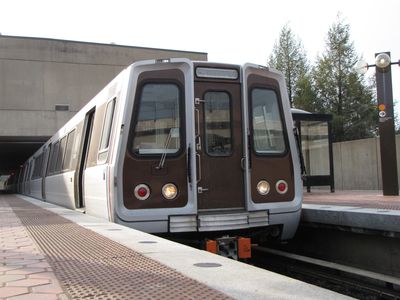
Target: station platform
(49,252)
(368,210)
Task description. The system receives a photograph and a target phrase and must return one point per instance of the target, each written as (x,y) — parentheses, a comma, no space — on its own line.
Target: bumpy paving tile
(24,271)
(91,266)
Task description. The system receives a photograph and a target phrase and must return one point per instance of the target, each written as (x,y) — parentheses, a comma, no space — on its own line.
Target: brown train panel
(272,170)
(138,170)
(270,167)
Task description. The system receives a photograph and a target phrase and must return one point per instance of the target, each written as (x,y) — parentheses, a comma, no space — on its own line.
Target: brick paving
(87,265)
(362,199)
(24,271)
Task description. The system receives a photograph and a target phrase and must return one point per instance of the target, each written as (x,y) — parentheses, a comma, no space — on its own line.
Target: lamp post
(387,139)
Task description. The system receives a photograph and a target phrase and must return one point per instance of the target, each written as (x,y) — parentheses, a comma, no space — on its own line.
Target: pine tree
(288,56)
(340,90)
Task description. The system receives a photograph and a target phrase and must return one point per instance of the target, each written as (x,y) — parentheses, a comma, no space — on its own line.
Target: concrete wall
(357,164)
(37,74)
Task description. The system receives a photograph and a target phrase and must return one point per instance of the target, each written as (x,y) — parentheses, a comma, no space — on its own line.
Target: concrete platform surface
(70,251)
(365,199)
(358,209)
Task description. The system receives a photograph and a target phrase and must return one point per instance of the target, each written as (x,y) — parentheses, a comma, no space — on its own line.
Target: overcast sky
(228,30)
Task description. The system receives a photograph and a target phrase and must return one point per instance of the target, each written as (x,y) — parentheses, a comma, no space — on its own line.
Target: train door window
(217,115)
(157,130)
(53,158)
(68,150)
(106,134)
(61,152)
(268,134)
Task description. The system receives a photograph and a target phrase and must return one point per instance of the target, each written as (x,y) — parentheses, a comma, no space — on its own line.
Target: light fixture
(263,187)
(142,192)
(169,191)
(382,60)
(281,187)
(361,67)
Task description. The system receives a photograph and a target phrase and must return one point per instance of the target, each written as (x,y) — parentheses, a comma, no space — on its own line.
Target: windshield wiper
(172,132)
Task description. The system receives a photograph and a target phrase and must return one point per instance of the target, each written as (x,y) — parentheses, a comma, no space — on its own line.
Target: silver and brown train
(173,146)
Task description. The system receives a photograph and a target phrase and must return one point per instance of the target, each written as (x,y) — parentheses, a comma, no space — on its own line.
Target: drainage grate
(90,266)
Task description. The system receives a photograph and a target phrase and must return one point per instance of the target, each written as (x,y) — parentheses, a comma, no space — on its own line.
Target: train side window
(45,163)
(29,174)
(37,166)
(268,133)
(61,152)
(68,150)
(157,130)
(217,114)
(53,158)
(106,134)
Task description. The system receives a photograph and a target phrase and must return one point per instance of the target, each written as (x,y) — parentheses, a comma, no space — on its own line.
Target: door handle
(200,190)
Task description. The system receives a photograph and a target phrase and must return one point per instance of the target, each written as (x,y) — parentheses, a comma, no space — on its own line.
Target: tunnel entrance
(14,151)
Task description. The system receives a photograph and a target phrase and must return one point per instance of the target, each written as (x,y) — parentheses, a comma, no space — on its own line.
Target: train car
(175,146)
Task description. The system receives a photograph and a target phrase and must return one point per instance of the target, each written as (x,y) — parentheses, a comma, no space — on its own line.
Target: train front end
(207,148)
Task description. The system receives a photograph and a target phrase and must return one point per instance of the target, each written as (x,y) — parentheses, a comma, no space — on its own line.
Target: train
(174,146)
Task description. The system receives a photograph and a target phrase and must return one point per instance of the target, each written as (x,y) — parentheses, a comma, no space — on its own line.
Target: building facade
(44,82)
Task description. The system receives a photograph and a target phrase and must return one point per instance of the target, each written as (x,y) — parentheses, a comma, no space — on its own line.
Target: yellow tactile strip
(91,266)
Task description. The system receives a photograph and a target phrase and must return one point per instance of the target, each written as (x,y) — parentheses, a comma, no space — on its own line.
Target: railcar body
(178,146)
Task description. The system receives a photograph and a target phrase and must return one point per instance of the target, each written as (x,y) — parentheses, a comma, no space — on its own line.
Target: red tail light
(281,187)
(142,192)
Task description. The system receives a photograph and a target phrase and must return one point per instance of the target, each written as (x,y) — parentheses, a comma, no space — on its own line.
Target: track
(346,280)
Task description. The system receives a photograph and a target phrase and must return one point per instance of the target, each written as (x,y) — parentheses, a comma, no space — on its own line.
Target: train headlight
(263,187)
(281,186)
(169,191)
(142,191)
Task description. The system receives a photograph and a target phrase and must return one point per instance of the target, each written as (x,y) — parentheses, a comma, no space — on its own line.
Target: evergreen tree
(340,90)
(305,97)
(288,56)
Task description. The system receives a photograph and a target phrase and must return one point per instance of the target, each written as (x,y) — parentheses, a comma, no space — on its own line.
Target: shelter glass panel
(315,147)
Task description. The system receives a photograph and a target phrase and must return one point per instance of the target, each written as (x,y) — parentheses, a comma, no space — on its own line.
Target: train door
(219,145)
(83,152)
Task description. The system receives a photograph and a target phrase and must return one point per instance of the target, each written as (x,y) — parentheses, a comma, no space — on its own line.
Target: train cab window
(157,130)
(106,134)
(68,150)
(268,134)
(218,133)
